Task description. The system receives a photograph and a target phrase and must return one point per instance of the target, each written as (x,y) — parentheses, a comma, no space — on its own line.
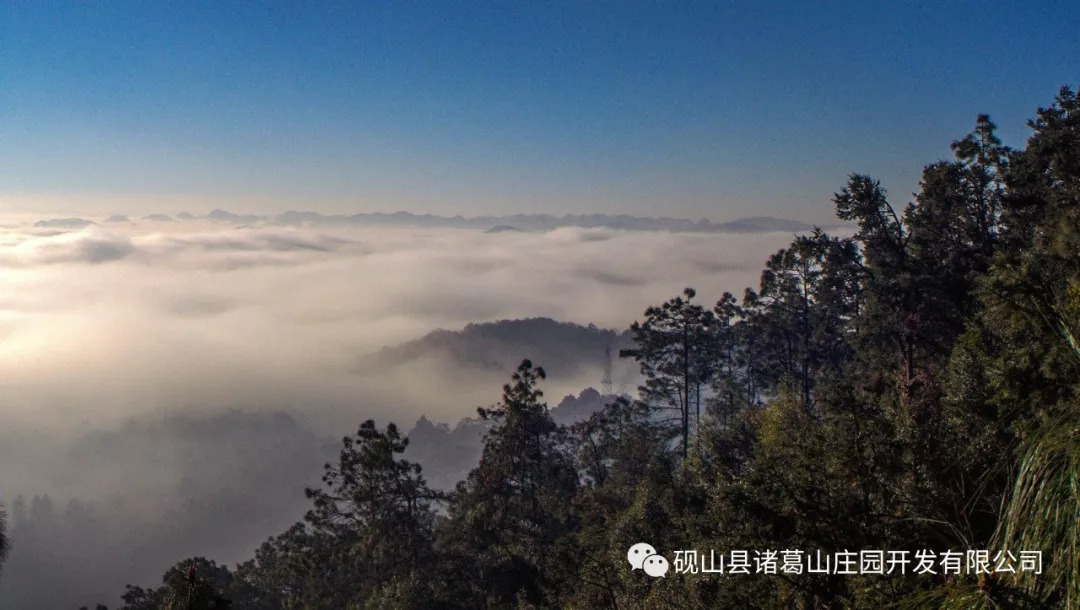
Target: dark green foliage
(676,349)
(799,318)
(193,584)
(508,518)
(374,519)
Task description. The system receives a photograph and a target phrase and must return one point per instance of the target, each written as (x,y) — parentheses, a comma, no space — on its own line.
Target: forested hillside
(497,346)
(910,388)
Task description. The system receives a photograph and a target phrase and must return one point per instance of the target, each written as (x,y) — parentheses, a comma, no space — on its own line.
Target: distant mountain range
(491,224)
(545,222)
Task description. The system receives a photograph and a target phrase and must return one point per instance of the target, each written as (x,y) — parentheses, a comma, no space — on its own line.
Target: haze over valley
(172,387)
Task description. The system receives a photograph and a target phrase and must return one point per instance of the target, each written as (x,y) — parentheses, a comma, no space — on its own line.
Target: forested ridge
(912,387)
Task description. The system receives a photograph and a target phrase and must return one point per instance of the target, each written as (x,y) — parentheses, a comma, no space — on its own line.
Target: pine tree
(676,349)
(373,519)
(510,517)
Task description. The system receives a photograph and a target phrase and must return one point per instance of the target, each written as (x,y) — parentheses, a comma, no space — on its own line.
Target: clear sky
(695,109)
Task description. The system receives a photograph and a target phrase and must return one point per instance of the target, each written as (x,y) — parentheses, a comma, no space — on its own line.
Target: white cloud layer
(100,324)
(108,330)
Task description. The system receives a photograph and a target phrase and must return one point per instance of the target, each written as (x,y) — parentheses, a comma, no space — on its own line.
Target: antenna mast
(606,383)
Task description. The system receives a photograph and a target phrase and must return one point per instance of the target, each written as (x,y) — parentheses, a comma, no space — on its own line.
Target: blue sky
(692,109)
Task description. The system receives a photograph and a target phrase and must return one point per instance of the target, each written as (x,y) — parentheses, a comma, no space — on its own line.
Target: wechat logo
(643,556)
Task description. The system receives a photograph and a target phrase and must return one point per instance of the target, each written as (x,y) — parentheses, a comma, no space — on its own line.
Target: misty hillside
(503,229)
(447,454)
(213,483)
(63,223)
(562,348)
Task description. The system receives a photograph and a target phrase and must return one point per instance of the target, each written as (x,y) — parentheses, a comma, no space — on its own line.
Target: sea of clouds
(193,373)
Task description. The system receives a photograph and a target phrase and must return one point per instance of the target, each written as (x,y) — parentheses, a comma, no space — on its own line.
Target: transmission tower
(606,383)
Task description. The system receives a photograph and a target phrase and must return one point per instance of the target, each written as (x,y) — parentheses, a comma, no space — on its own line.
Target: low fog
(172,386)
